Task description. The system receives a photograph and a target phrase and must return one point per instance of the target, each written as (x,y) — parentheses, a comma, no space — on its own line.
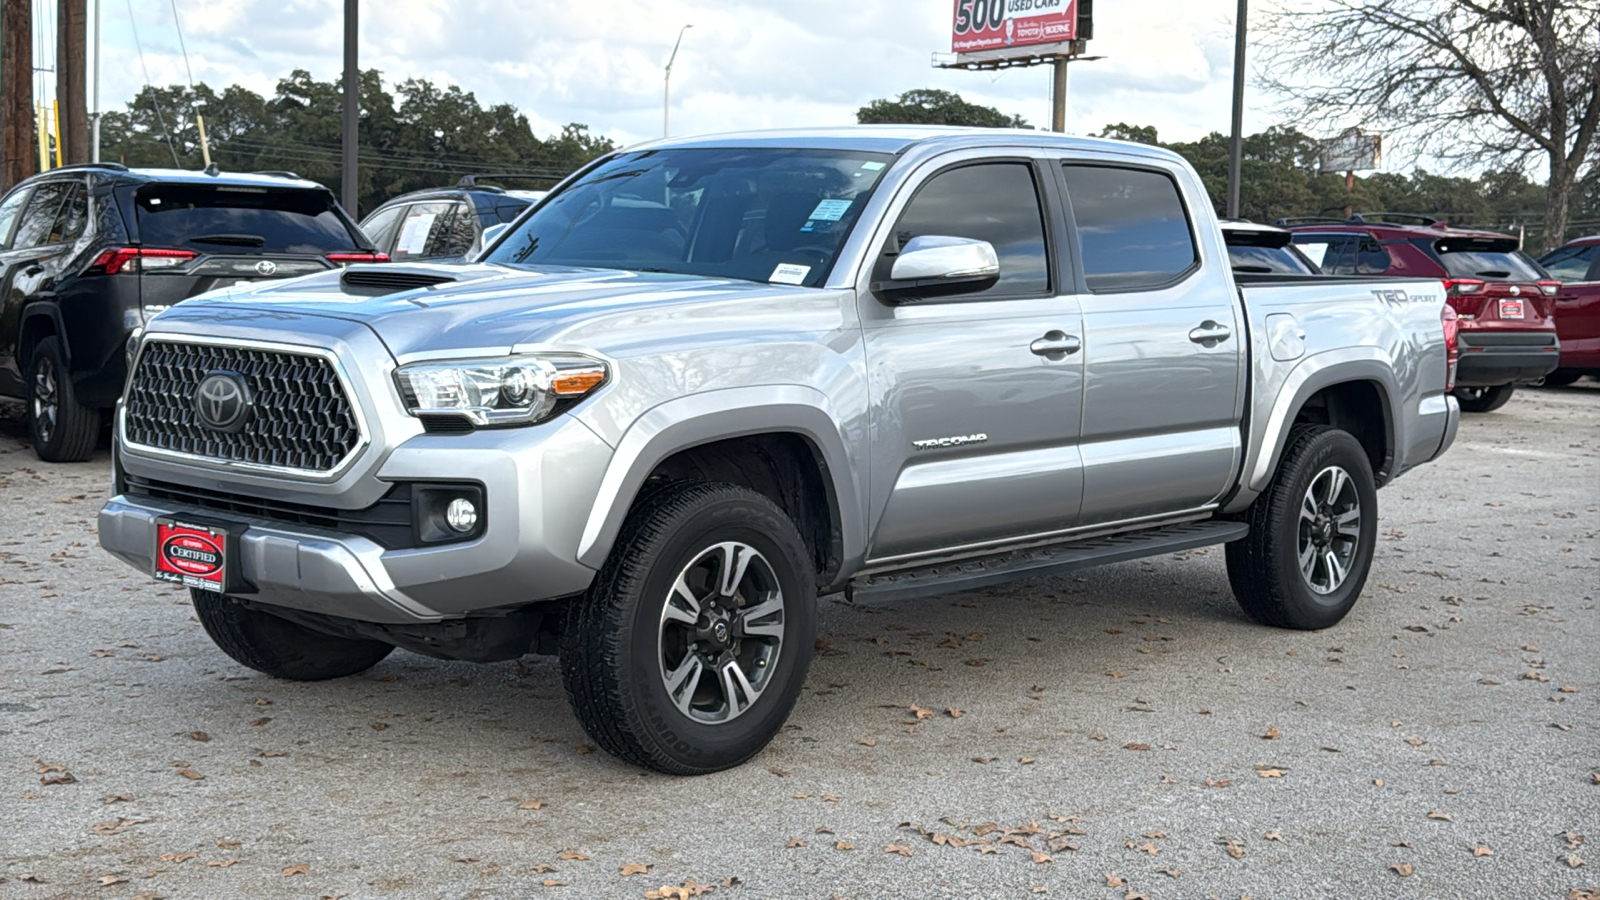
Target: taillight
(345,259)
(1452,344)
(1549,288)
(1465,294)
(136,259)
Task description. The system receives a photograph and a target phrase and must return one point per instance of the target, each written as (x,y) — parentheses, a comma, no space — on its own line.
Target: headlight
(516,390)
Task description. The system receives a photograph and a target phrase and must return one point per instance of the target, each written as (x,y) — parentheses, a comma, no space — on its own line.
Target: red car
(1504,300)
(1577,265)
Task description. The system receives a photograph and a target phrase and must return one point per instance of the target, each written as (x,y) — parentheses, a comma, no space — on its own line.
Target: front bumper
(1489,358)
(539,484)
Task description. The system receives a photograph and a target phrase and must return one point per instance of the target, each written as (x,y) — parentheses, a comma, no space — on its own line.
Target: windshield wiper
(232,240)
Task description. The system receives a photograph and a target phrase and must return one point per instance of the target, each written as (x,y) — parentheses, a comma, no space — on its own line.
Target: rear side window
(1269,260)
(74,215)
(39,224)
(380,226)
(1345,254)
(1132,228)
(430,230)
(994,202)
(228,218)
(1567,264)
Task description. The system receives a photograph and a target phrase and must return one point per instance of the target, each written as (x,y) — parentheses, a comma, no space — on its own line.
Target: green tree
(417,136)
(926,106)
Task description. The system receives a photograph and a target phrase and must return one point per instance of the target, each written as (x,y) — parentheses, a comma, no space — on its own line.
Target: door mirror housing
(934,264)
(490,235)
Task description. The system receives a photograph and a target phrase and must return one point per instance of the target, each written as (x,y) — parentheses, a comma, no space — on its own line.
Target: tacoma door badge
(957,441)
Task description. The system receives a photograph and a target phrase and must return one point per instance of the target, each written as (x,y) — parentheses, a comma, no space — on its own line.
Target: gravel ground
(1120,733)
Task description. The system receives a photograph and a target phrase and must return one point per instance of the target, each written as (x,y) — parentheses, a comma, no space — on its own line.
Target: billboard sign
(982,25)
(1352,151)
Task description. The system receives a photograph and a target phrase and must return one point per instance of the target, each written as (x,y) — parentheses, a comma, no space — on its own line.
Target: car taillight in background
(1549,288)
(1452,344)
(134,260)
(345,259)
(1465,294)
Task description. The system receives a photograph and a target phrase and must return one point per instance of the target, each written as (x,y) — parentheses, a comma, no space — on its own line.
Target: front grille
(386,523)
(299,418)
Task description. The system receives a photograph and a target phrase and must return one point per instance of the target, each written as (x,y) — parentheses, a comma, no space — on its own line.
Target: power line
(157,106)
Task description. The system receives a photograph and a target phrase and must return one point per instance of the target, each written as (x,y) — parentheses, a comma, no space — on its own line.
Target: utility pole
(1235,141)
(352,110)
(1058,97)
(16,91)
(666,84)
(72,22)
(94,112)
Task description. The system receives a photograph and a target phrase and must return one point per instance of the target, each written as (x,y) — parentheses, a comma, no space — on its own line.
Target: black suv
(446,223)
(88,252)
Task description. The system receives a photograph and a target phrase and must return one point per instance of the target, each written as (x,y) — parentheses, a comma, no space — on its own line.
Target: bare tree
(1500,83)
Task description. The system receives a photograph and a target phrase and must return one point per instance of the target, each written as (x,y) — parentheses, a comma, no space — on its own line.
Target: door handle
(1056,343)
(1210,334)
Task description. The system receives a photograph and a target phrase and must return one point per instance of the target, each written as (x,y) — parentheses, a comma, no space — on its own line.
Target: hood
(483,308)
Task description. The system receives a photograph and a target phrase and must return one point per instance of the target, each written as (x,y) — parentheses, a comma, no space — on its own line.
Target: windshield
(231,219)
(762,214)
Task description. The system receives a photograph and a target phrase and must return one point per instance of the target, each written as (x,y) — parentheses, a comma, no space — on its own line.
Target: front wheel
(1312,533)
(1484,399)
(690,649)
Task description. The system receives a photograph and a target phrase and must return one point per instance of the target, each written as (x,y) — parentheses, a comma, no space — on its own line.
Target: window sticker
(829,211)
(789,273)
(414,236)
(872,166)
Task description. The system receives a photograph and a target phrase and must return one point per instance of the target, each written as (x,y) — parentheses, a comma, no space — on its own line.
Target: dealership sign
(1001,24)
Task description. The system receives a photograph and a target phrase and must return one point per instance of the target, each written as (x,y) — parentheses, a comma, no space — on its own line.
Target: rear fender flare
(714,416)
(34,308)
(1310,376)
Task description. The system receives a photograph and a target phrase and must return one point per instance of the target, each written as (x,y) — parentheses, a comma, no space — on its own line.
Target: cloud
(744,64)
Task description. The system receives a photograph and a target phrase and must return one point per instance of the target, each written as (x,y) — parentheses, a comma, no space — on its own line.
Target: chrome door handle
(1210,334)
(1056,343)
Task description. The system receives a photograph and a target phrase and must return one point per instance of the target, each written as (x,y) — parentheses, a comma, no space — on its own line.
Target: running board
(967,574)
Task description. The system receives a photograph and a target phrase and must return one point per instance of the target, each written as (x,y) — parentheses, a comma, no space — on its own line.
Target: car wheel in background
(1312,533)
(1484,399)
(690,648)
(62,429)
(279,647)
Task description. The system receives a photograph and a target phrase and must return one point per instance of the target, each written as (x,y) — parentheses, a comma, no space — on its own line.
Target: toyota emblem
(266,267)
(222,402)
(1515,291)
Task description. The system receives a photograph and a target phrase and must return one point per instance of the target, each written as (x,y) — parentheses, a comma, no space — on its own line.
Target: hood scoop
(377,280)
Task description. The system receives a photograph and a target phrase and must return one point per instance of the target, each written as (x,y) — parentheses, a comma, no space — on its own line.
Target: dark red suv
(1577,265)
(1505,301)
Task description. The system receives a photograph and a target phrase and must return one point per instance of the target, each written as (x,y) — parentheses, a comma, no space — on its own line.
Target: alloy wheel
(1329,529)
(45,402)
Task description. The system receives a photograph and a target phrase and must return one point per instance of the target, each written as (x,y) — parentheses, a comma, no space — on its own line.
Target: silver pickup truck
(707,380)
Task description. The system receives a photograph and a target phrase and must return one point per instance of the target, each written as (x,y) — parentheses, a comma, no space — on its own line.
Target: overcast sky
(744,64)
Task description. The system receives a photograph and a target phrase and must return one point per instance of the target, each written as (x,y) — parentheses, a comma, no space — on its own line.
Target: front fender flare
(714,416)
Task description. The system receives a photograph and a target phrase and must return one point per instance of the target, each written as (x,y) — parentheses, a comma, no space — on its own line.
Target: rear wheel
(1484,399)
(690,649)
(62,429)
(1312,533)
(279,647)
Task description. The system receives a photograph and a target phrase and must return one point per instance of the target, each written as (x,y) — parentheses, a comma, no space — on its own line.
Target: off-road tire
(611,642)
(278,647)
(1265,569)
(1484,399)
(71,430)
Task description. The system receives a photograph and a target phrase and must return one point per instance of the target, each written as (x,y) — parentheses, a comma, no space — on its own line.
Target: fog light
(461,515)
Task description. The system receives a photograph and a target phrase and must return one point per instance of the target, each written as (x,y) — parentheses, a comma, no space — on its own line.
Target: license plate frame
(197,553)
(1513,308)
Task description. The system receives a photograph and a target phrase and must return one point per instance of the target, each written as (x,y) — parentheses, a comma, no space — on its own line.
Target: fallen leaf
(229,845)
(200,736)
(921,712)
(31,878)
(793,843)
(112,879)
(901,849)
(777,771)
(1442,817)
(1378,782)
(190,774)
(636,869)
(1574,861)
(262,721)
(551,882)
(1272,733)
(868,742)
(954,713)
(1273,836)
(1234,848)
(843,845)
(584,749)
(571,855)
(1025,761)
(1218,783)
(1115,881)
(178,857)
(531,804)
(1169,872)
(380,726)
(299,869)
(1404,870)
(1482,851)
(1269,772)
(1136,746)
(984,760)
(221,863)
(542,868)
(1039,857)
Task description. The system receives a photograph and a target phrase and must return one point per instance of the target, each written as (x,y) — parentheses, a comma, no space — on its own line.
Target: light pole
(1235,153)
(666,83)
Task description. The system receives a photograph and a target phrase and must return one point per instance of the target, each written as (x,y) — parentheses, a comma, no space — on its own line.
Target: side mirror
(933,264)
(490,235)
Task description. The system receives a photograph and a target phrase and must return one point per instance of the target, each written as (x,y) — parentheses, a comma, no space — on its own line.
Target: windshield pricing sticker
(789,273)
(414,236)
(829,211)
(1511,309)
